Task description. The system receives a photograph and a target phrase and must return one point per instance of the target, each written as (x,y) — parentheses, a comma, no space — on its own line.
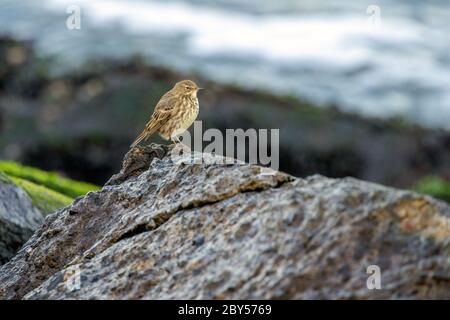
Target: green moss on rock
(4,178)
(51,180)
(46,200)
(48,190)
(434,186)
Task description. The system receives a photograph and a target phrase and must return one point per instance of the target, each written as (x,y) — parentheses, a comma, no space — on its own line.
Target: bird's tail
(151,127)
(143,136)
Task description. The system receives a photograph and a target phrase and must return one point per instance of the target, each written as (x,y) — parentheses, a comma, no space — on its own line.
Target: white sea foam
(277,37)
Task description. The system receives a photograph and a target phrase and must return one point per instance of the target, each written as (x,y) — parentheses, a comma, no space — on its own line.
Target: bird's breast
(189,113)
(185,115)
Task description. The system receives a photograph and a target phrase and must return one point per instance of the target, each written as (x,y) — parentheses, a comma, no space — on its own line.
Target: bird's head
(186,87)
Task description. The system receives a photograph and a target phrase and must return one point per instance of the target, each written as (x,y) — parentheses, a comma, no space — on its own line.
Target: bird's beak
(200,88)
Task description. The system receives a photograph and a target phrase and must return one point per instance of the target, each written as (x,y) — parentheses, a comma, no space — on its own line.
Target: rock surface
(18,219)
(165,228)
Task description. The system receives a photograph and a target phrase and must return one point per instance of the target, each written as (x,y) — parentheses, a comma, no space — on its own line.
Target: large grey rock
(164,229)
(18,219)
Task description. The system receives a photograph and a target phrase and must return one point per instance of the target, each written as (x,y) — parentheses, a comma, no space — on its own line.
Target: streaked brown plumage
(174,113)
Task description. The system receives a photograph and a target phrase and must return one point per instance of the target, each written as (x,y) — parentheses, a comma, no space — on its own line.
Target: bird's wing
(167,102)
(163,110)
(162,113)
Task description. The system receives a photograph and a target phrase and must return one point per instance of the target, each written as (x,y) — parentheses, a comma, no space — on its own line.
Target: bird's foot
(179,146)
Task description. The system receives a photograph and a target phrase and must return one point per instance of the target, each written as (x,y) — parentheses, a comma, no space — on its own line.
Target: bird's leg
(185,147)
(174,140)
(178,143)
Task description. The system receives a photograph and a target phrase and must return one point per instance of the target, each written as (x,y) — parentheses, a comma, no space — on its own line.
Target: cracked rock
(166,228)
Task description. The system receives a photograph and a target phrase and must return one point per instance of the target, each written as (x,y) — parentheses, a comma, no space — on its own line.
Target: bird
(174,113)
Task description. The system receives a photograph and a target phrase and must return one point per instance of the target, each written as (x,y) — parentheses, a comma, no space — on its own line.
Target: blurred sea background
(400,67)
(351,97)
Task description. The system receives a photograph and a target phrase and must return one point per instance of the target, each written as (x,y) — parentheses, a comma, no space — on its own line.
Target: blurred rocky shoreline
(82,123)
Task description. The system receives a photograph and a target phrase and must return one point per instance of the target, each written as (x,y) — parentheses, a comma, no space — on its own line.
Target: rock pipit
(174,113)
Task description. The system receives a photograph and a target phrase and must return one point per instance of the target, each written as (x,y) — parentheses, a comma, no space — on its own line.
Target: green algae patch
(46,200)
(50,180)
(434,186)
